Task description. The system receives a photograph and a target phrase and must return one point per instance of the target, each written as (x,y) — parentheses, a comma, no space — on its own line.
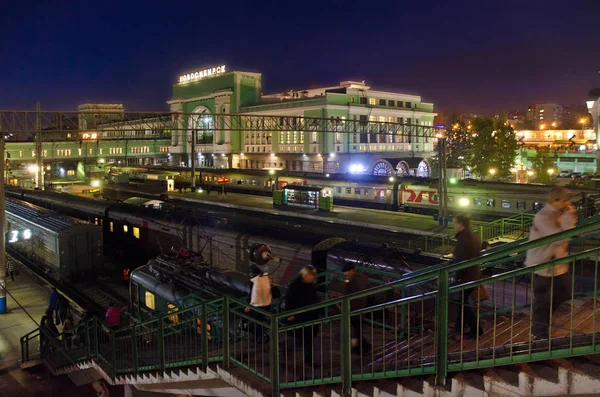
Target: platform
(389,221)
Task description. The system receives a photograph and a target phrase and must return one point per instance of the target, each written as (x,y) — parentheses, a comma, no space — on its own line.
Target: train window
(112,228)
(366,192)
(476,201)
(339,190)
(436,197)
(537,206)
(356,191)
(149,300)
(348,190)
(125,228)
(505,203)
(136,232)
(491,202)
(521,205)
(96,221)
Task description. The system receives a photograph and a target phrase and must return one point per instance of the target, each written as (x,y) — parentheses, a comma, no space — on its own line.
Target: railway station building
(209,92)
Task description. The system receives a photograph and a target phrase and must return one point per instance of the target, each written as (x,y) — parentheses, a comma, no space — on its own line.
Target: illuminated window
(79,152)
(112,227)
(372,101)
(149,298)
(45,153)
(125,228)
(20,153)
(100,150)
(71,172)
(505,203)
(136,232)
(174,318)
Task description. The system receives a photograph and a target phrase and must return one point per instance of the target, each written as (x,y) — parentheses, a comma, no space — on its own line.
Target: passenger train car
(418,195)
(63,247)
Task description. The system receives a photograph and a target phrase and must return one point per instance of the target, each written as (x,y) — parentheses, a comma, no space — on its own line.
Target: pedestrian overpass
(413,352)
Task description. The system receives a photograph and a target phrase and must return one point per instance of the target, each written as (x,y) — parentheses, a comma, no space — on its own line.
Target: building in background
(283,141)
(544,115)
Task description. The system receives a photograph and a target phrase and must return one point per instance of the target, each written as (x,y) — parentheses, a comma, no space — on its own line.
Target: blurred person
(468,246)
(356,282)
(261,297)
(302,292)
(112,315)
(551,286)
(53,302)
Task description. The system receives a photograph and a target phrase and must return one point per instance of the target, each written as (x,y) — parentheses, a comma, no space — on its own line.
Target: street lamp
(550,171)
(530,173)
(542,126)
(492,171)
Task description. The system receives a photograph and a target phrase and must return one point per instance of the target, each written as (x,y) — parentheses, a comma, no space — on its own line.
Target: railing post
(402,313)
(161,343)
(88,341)
(204,335)
(502,227)
(134,350)
(113,354)
(346,358)
(96,342)
(441,328)
(226,332)
(23,343)
(274,350)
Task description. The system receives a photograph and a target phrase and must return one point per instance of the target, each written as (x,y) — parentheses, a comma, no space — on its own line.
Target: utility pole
(2,222)
(193,161)
(38,148)
(442,185)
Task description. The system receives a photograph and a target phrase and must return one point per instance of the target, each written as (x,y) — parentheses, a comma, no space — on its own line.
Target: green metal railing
(408,332)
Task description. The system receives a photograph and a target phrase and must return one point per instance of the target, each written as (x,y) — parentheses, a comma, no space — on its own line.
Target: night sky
(465,56)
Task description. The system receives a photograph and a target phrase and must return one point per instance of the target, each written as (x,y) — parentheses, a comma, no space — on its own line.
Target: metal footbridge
(413,350)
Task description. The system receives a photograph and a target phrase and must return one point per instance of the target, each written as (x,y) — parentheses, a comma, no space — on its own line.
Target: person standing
(53,303)
(112,315)
(260,297)
(551,287)
(48,332)
(68,331)
(10,270)
(302,292)
(356,282)
(62,309)
(468,246)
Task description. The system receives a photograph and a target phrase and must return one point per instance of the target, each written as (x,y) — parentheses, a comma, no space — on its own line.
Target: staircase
(413,352)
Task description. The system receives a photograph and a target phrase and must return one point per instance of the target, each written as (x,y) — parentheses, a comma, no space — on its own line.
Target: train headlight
(463,202)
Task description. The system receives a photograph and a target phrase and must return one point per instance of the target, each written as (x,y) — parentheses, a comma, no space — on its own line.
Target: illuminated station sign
(201,74)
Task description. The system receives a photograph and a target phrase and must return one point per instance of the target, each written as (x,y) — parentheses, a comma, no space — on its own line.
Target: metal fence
(405,334)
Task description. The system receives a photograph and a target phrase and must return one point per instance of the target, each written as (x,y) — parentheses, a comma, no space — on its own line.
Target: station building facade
(338,148)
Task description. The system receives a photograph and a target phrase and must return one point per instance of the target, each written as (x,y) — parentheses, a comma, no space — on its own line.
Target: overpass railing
(287,354)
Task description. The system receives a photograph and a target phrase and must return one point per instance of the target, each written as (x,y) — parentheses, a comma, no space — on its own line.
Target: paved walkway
(25,297)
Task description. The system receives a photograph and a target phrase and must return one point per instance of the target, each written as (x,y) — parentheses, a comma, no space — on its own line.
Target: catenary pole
(2,223)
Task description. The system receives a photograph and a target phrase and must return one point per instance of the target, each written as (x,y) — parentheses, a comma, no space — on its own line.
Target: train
(484,200)
(172,283)
(145,233)
(64,248)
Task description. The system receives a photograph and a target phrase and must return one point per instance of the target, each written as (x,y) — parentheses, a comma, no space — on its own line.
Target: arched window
(202,121)
(382,168)
(423,169)
(402,169)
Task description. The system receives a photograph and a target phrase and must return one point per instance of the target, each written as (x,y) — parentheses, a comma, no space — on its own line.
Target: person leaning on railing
(550,286)
(356,282)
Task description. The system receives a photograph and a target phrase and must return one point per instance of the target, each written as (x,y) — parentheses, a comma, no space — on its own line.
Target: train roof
(40,217)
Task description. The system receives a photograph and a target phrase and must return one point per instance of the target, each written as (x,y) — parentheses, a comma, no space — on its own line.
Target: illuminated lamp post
(492,172)
(550,171)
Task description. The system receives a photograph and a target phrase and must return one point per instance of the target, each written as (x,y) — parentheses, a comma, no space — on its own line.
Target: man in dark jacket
(302,292)
(468,246)
(356,282)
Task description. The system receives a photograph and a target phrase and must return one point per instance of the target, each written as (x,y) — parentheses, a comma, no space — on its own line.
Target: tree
(493,146)
(541,163)
(458,148)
